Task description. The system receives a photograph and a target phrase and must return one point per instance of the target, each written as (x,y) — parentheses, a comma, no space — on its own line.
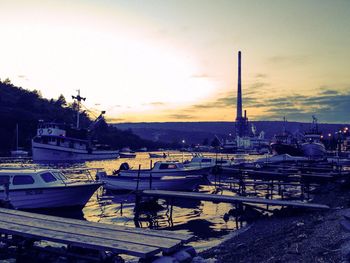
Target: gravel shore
(293,235)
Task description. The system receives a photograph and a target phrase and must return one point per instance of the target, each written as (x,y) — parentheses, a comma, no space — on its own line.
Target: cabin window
(4,179)
(206,160)
(48,177)
(167,166)
(22,179)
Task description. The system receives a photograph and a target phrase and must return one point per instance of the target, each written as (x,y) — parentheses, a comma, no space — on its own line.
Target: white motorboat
(174,183)
(43,188)
(280,158)
(126,152)
(203,162)
(162,168)
(157,155)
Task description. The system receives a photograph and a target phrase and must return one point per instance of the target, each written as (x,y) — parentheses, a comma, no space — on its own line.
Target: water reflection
(201,218)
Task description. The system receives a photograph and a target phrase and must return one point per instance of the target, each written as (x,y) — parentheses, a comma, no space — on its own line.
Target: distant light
(321,136)
(183,141)
(329,135)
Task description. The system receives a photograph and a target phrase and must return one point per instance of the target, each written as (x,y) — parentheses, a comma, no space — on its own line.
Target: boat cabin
(168,166)
(200,161)
(62,142)
(51,129)
(33,179)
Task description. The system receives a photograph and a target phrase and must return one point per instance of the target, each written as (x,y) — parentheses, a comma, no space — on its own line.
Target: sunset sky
(162,60)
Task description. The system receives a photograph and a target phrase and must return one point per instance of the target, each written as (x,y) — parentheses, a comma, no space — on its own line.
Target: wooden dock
(230,199)
(137,242)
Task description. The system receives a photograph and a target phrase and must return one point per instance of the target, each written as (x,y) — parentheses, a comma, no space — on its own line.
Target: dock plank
(167,245)
(107,237)
(184,238)
(229,199)
(78,240)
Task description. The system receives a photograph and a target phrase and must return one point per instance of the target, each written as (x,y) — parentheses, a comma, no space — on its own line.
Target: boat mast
(17,136)
(79,99)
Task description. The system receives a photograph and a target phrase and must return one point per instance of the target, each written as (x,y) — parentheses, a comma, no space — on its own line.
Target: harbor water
(203,219)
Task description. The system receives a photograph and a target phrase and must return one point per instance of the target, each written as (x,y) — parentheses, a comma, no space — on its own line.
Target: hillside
(26,108)
(197,132)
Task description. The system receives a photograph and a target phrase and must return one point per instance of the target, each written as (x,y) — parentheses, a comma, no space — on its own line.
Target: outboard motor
(124,167)
(100,175)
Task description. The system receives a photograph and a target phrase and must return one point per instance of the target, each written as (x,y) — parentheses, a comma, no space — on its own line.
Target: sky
(164,60)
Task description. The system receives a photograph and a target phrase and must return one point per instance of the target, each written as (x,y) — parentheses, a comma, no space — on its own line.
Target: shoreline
(293,235)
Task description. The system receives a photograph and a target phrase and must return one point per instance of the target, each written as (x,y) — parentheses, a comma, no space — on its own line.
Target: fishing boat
(55,142)
(160,169)
(43,188)
(312,146)
(172,183)
(285,143)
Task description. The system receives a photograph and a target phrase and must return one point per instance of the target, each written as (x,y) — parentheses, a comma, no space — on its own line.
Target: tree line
(26,108)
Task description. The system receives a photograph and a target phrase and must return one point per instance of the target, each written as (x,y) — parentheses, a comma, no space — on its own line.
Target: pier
(143,243)
(230,199)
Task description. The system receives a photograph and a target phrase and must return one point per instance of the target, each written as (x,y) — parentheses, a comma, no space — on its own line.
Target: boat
(157,155)
(160,169)
(285,143)
(43,188)
(171,183)
(126,152)
(55,142)
(312,146)
(18,153)
(281,158)
(200,161)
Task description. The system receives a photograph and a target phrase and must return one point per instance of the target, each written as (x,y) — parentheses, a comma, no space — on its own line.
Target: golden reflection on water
(201,218)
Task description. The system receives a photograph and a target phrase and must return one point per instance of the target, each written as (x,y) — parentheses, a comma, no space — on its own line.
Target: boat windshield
(60,175)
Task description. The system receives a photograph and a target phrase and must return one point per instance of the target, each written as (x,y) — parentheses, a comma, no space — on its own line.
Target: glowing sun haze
(177,60)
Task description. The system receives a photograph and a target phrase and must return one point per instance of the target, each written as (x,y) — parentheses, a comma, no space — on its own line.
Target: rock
(165,259)
(345,224)
(8,260)
(190,250)
(211,260)
(198,260)
(182,256)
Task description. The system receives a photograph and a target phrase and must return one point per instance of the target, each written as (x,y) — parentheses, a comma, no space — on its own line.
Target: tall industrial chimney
(239,90)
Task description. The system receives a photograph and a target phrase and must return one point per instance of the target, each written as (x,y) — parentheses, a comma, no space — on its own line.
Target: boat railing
(90,173)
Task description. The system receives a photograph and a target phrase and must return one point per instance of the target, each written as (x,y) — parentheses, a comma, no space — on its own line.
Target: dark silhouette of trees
(26,108)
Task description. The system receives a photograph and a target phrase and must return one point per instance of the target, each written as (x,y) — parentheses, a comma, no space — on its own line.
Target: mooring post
(236,215)
(138,178)
(150,180)
(171,208)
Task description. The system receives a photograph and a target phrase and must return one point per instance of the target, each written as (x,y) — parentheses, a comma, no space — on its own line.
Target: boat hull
(76,195)
(147,173)
(314,150)
(61,154)
(282,148)
(187,183)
